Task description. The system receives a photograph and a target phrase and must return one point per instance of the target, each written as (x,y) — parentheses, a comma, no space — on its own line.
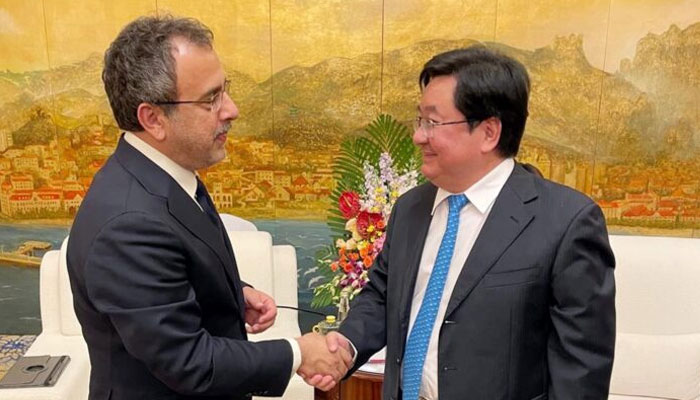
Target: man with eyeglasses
(493,283)
(154,278)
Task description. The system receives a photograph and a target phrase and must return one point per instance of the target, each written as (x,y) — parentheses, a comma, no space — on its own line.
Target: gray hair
(139,66)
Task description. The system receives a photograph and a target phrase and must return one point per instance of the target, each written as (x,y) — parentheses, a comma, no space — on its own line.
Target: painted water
(19,286)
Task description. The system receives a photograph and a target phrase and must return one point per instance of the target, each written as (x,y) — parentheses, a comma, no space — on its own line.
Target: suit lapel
(182,207)
(234,275)
(506,221)
(420,216)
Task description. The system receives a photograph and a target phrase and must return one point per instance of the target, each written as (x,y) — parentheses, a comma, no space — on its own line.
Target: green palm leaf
(384,134)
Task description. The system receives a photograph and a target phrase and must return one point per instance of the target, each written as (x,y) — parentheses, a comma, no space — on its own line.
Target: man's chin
(428,172)
(219,155)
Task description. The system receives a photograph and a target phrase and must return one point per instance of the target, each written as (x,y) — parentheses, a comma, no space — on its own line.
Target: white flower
(383,187)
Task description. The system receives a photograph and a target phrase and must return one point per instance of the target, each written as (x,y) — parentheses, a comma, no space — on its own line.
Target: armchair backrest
(657,284)
(69,322)
(657,349)
(49,293)
(235,223)
(55,296)
(253,251)
(273,270)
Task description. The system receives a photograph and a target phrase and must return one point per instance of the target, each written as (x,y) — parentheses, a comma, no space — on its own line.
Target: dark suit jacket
(532,315)
(158,296)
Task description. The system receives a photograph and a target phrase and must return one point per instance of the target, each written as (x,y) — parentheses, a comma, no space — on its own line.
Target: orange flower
(367,261)
(354,256)
(364,251)
(380,224)
(347,267)
(334,266)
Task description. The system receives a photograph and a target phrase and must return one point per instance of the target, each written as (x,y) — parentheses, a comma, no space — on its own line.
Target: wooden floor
(11,348)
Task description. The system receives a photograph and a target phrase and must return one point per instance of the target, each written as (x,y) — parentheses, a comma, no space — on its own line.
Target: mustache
(224,129)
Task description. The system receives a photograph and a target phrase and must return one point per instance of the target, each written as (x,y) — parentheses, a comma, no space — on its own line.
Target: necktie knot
(200,194)
(203,199)
(457,202)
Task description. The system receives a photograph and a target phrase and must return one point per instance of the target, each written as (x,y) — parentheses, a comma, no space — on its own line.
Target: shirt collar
(484,192)
(185,178)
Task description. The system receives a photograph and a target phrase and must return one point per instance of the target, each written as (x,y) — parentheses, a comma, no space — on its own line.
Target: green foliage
(324,294)
(384,134)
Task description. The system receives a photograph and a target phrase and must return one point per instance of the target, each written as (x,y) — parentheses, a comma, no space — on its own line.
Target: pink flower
(379,243)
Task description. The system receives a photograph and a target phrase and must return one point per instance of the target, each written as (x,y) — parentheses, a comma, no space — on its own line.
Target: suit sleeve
(365,325)
(582,341)
(136,275)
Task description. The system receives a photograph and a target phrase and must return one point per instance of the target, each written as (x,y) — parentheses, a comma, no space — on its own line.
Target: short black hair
(489,84)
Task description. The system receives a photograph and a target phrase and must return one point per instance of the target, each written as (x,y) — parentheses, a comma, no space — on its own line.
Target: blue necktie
(418,339)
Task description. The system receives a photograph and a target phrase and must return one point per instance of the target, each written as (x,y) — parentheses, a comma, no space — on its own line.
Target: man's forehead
(181,46)
(426,108)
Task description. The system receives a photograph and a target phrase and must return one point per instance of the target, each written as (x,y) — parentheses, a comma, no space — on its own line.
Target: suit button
(398,360)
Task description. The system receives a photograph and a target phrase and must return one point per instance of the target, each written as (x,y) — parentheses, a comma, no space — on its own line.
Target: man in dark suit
(154,278)
(493,282)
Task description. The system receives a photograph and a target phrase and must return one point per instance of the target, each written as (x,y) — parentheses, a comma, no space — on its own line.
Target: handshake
(324,359)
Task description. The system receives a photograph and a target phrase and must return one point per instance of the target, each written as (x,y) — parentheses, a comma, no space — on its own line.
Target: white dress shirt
(188,182)
(481,197)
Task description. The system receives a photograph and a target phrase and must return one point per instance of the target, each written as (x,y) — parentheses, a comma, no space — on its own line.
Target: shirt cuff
(296,352)
(354,351)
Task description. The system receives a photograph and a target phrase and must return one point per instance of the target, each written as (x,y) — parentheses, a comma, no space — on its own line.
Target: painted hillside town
(258,178)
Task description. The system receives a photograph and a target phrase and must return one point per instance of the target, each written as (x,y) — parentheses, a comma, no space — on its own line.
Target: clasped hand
(324,359)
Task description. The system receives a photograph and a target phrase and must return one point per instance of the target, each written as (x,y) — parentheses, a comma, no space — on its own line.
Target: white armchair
(657,351)
(272,269)
(235,223)
(60,335)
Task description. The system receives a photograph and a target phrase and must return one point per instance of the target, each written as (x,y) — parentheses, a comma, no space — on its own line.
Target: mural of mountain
(241,84)
(81,75)
(38,130)
(315,104)
(667,67)
(573,104)
(669,57)
(9,89)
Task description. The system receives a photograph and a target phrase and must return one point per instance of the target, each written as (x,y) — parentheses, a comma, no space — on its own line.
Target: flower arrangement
(363,202)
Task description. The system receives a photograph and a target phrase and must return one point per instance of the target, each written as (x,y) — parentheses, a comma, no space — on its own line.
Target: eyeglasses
(427,126)
(214,102)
